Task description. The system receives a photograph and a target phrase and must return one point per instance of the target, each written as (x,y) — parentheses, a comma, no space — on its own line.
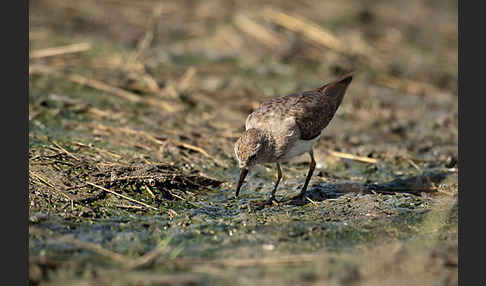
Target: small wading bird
(288,126)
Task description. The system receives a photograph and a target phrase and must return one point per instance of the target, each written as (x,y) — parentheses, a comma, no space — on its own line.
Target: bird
(288,126)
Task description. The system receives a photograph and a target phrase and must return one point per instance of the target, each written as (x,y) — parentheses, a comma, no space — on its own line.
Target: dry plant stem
(258,31)
(142,45)
(102,113)
(148,258)
(69,49)
(128,207)
(290,259)
(186,79)
(297,259)
(407,85)
(65,151)
(192,147)
(105,87)
(413,164)
(122,196)
(120,92)
(172,213)
(129,178)
(183,199)
(324,37)
(352,157)
(127,262)
(136,132)
(159,142)
(450,194)
(162,143)
(97,249)
(41,179)
(313,202)
(307,28)
(147,188)
(147,38)
(199,150)
(116,156)
(87,245)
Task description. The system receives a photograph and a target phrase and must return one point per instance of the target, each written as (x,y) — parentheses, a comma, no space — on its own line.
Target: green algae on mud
(240,235)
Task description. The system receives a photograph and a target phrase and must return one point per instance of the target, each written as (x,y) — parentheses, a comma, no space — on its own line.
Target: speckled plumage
(288,126)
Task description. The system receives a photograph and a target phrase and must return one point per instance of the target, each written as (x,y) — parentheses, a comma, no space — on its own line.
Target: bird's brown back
(311,110)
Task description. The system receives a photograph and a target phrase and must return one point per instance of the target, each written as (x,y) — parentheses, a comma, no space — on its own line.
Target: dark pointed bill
(243,173)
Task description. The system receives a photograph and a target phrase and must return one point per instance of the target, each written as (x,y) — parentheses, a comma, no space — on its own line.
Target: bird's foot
(262,204)
(272,201)
(299,199)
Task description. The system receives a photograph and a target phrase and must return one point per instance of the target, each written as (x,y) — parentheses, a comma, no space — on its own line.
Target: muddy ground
(134,113)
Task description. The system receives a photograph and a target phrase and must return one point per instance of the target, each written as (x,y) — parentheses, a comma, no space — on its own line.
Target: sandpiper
(288,126)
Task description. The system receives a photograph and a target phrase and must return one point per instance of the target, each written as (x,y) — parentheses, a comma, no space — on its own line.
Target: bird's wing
(273,114)
(317,107)
(307,113)
(315,112)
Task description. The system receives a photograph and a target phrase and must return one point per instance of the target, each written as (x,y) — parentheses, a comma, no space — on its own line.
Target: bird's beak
(243,174)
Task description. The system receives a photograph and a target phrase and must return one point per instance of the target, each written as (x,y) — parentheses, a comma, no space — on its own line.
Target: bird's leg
(312,166)
(278,175)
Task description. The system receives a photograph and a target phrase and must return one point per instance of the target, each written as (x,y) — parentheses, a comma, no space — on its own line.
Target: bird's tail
(341,83)
(333,92)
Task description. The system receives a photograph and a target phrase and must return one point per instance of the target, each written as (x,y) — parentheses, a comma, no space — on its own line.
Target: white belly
(300,147)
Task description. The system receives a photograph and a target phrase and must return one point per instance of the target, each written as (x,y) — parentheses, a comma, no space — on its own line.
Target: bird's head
(249,151)
(248,147)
